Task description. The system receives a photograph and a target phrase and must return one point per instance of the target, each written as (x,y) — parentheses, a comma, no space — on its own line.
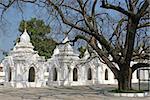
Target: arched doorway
(89,74)
(31,77)
(106,74)
(9,74)
(54,74)
(75,74)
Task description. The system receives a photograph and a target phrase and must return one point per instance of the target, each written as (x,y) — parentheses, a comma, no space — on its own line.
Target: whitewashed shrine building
(23,67)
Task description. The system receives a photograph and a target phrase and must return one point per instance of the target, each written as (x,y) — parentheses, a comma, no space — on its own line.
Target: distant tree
(82,51)
(38,32)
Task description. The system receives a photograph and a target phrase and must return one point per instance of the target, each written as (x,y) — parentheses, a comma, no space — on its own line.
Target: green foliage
(38,32)
(82,51)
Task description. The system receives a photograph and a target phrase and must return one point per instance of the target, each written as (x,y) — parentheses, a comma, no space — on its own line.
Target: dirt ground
(63,93)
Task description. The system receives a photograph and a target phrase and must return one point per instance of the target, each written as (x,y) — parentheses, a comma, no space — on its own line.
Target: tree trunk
(124,79)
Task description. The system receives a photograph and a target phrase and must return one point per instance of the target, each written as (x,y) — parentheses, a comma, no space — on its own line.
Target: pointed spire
(56,51)
(66,47)
(25,31)
(86,54)
(25,38)
(66,39)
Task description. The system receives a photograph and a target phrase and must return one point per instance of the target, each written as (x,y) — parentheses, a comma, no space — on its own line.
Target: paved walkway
(62,93)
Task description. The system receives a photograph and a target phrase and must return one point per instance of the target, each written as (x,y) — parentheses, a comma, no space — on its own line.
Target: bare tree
(121,36)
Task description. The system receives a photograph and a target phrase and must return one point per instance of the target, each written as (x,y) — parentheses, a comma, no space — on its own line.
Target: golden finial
(25,26)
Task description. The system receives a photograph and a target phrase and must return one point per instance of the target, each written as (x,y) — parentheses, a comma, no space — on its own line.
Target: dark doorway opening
(31,74)
(9,74)
(89,74)
(75,74)
(54,74)
(106,74)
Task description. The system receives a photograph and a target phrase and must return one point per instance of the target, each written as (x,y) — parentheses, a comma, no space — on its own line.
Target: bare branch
(144,25)
(131,5)
(85,3)
(117,8)
(139,65)
(142,10)
(116,31)
(93,8)
(77,10)
(65,20)
(29,1)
